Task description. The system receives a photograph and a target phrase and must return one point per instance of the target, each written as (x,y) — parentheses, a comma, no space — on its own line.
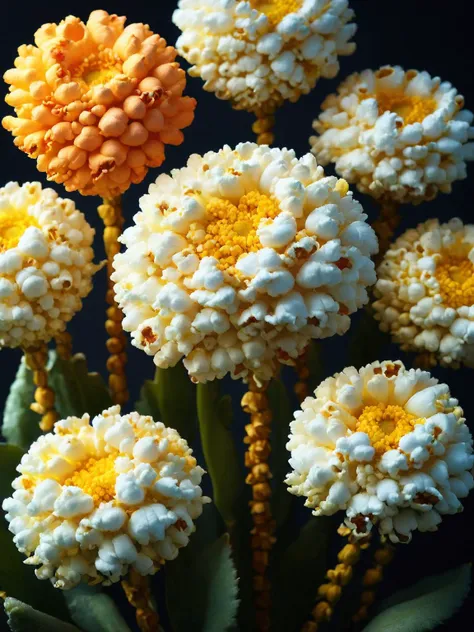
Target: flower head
(46,263)
(258,53)
(387,445)
(94,499)
(397,135)
(239,259)
(96,103)
(425,292)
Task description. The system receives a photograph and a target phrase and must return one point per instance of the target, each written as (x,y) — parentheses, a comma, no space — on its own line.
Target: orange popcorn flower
(96,103)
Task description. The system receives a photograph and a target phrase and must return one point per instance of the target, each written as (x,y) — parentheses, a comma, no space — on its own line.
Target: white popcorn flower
(387,445)
(425,292)
(397,135)
(258,53)
(94,499)
(46,263)
(236,261)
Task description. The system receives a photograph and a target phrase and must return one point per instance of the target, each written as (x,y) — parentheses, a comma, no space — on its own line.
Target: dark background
(432,35)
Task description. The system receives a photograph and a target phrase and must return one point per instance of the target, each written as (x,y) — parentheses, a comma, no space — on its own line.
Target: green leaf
(94,611)
(220,451)
(299,572)
(425,605)
(24,618)
(171,398)
(20,424)
(203,593)
(282,414)
(77,392)
(16,578)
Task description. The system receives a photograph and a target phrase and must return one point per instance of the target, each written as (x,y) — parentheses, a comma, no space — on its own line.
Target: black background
(432,35)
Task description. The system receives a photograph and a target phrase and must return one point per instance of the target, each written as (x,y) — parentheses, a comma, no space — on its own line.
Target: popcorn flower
(96,103)
(425,292)
(398,135)
(46,263)
(387,445)
(259,53)
(94,499)
(236,261)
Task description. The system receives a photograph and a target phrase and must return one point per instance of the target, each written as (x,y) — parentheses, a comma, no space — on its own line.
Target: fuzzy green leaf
(208,581)
(94,611)
(20,424)
(220,451)
(16,578)
(299,572)
(24,618)
(77,391)
(425,605)
(171,398)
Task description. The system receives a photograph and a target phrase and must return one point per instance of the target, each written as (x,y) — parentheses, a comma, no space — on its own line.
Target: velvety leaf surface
(425,605)
(94,611)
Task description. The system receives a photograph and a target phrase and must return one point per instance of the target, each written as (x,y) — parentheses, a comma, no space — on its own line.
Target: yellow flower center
(13,224)
(385,425)
(412,109)
(96,477)
(98,69)
(455,276)
(231,230)
(275,10)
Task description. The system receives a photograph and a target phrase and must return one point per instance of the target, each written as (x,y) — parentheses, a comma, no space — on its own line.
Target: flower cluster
(239,259)
(387,445)
(94,499)
(258,53)
(425,292)
(46,263)
(397,135)
(96,103)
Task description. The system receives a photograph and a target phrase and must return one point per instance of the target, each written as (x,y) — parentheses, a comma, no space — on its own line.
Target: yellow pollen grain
(455,276)
(385,425)
(231,230)
(412,109)
(12,226)
(96,477)
(276,10)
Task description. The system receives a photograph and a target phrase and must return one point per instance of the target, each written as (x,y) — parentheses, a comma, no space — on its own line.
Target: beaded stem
(372,577)
(302,372)
(255,402)
(385,226)
(263,127)
(137,590)
(36,359)
(64,345)
(111,213)
(338,577)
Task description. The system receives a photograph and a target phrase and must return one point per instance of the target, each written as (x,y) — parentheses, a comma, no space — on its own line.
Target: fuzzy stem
(111,213)
(255,402)
(137,590)
(338,577)
(36,359)
(263,128)
(302,372)
(372,577)
(385,226)
(64,345)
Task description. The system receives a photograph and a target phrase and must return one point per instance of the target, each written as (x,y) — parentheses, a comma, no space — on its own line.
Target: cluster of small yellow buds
(255,402)
(372,577)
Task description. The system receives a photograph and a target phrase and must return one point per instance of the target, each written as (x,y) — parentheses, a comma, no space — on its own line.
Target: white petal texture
(259,53)
(91,501)
(46,263)
(387,445)
(397,135)
(425,292)
(237,260)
